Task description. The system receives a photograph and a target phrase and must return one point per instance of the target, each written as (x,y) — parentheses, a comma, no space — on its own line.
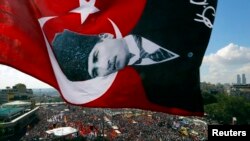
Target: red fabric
(132,95)
(119,11)
(22,45)
(21,42)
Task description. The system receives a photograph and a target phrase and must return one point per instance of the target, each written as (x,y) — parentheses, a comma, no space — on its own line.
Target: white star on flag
(85,9)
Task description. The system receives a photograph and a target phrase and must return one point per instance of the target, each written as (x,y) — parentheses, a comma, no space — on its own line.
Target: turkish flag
(29,27)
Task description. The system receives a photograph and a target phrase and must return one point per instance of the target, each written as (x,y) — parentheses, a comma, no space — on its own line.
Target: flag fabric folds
(142,54)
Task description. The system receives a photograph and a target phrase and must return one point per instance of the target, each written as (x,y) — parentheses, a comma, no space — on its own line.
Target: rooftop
(8,112)
(18,103)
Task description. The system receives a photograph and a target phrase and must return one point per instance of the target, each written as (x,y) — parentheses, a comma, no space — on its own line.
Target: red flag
(21,42)
(55,40)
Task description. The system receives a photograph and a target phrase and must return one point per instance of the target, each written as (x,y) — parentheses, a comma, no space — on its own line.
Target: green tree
(208,98)
(1,129)
(227,107)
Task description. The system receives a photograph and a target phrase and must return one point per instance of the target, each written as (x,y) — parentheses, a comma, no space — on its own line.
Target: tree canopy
(223,108)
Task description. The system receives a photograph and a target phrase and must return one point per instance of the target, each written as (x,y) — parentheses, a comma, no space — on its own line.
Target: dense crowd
(115,125)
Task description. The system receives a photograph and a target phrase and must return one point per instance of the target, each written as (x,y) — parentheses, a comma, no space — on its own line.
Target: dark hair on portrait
(71,50)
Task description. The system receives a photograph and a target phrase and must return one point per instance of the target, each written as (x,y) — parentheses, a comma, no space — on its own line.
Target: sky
(227,54)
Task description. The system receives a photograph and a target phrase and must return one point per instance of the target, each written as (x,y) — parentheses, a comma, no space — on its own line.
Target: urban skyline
(241,79)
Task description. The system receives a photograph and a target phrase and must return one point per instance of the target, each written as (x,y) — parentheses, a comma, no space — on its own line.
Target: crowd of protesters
(115,124)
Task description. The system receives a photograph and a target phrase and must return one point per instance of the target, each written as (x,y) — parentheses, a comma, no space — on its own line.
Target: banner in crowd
(142,54)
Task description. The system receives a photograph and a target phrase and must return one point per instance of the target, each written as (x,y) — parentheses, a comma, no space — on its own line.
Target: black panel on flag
(174,26)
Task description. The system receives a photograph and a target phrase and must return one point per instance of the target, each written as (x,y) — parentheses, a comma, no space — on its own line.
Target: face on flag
(107,56)
(114,53)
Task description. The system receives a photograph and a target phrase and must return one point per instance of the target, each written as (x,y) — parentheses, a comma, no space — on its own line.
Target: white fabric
(62,131)
(149,47)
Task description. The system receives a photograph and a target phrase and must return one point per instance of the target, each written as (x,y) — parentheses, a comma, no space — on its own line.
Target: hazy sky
(227,54)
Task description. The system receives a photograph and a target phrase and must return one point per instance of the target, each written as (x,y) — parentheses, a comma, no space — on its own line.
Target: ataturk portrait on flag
(82,57)
(142,54)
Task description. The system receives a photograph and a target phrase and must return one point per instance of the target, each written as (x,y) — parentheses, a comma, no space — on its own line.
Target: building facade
(241,90)
(241,79)
(244,80)
(238,79)
(17,92)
